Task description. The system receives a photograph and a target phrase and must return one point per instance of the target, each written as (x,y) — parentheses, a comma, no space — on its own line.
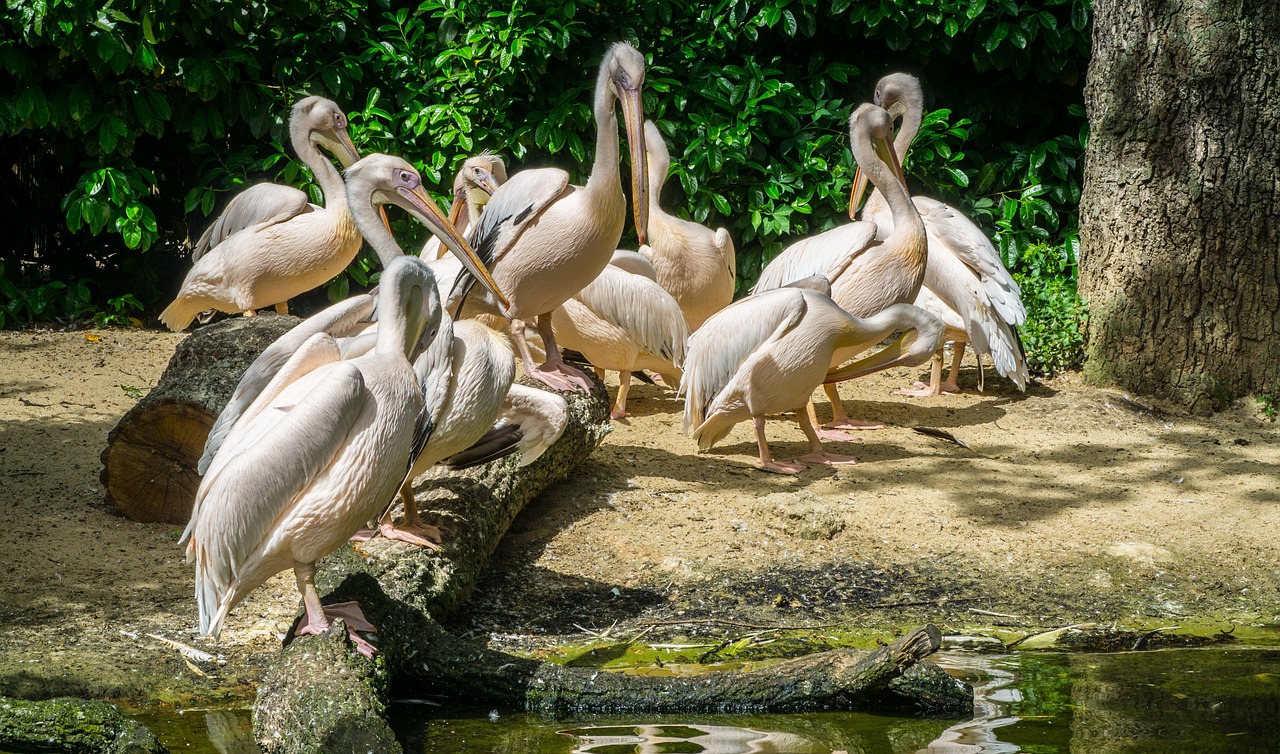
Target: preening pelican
(867,275)
(319,452)
(476,181)
(695,264)
(766,353)
(545,240)
(623,321)
(964,280)
(271,243)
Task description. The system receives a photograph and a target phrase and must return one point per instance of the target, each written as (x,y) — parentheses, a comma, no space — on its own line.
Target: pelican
(319,452)
(867,274)
(766,353)
(545,240)
(476,181)
(376,179)
(965,283)
(695,264)
(624,321)
(271,243)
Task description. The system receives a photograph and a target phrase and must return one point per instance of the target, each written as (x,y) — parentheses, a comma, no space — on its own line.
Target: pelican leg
(952,385)
(553,372)
(934,388)
(319,617)
(817,453)
(620,406)
(841,420)
(834,435)
(766,458)
(250,313)
(412,530)
(282,307)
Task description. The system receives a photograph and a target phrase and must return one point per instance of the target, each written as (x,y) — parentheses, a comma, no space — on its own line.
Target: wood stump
(149,464)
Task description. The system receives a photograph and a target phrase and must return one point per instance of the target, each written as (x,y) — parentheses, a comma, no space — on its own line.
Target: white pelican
(545,240)
(466,372)
(965,283)
(623,322)
(376,179)
(319,452)
(867,274)
(695,264)
(271,243)
(476,181)
(766,353)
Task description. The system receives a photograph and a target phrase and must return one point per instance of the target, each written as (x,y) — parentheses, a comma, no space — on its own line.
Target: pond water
(1211,700)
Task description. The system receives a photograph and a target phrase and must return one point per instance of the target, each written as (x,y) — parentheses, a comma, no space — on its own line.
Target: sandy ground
(1071,504)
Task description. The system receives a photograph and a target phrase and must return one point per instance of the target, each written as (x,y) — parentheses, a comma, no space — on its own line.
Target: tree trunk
(149,464)
(1180,241)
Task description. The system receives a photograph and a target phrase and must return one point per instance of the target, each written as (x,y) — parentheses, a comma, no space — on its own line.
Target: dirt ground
(1071,504)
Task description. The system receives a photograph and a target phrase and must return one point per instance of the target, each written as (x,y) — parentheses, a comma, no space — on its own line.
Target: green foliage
(121,311)
(1268,405)
(141,119)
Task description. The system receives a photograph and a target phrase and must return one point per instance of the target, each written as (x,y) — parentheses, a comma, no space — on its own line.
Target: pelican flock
(338,418)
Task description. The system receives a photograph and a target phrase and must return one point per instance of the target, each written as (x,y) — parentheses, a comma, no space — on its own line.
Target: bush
(140,119)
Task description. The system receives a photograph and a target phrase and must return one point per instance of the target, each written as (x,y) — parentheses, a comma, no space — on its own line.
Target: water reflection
(694,739)
(1175,700)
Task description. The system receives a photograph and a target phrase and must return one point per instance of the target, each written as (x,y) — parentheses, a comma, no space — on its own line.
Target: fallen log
(67,724)
(149,464)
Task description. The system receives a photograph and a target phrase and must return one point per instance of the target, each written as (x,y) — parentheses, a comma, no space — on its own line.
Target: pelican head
(383,179)
(326,126)
(873,125)
(479,177)
(623,69)
(921,337)
(408,306)
(899,93)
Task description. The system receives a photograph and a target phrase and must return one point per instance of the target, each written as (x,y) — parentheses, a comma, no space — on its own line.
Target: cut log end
(149,464)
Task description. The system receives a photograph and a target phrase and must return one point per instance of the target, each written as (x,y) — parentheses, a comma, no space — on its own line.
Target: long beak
(422,206)
(859,188)
(633,114)
(340,144)
(458,208)
(893,355)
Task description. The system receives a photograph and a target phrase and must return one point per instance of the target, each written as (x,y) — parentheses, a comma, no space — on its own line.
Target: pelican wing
(541,415)
(509,211)
(434,370)
(728,339)
(949,228)
(642,308)
(826,254)
(260,204)
(340,320)
(278,457)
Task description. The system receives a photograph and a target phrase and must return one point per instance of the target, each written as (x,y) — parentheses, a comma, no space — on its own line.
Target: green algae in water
(1197,700)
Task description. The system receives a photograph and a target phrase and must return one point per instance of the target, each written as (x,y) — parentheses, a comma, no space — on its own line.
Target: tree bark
(149,464)
(1180,242)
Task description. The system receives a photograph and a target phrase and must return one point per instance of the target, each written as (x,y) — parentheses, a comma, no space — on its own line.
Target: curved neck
(322,168)
(659,165)
(370,224)
(911,120)
(604,171)
(905,216)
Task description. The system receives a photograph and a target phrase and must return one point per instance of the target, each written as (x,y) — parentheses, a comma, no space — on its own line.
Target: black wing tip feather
(498,442)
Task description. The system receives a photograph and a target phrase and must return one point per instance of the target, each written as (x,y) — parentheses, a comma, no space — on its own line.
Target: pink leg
(282,307)
(620,406)
(817,453)
(554,372)
(952,385)
(319,617)
(934,388)
(766,458)
(841,420)
(412,530)
(834,435)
